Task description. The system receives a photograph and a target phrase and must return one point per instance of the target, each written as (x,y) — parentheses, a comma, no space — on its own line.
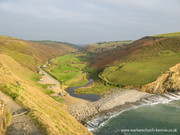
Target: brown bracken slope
(124,53)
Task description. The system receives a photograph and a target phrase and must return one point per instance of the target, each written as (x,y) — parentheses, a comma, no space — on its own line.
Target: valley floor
(84,110)
(68,100)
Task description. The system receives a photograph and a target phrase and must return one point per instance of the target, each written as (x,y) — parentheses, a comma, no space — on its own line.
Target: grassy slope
(139,63)
(30,54)
(49,113)
(95,51)
(70,69)
(98,87)
(139,73)
(44,109)
(145,63)
(174,34)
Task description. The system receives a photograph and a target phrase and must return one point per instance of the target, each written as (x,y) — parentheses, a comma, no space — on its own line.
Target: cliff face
(4,117)
(167,82)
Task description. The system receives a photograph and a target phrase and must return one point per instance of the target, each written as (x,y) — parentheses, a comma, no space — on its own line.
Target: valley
(48,79)
(89,67)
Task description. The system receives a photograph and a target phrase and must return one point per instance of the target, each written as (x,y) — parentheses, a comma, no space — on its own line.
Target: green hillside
(143,61)
(31,54)
(71,69)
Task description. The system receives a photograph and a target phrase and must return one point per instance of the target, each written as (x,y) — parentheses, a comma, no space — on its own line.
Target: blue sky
(88,21)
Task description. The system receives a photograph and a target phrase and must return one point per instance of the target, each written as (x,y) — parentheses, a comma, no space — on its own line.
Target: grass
(0,65)
(141,72)
(147,59)
(11,91)
(8,117)
(70,69)
(96,88)
(31,54)
(45,88)
(174,34)
(5,117)
(57,98)
(46,111)
(24,59)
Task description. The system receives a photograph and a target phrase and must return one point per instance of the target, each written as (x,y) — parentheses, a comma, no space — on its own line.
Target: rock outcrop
(5,116)
(167,82)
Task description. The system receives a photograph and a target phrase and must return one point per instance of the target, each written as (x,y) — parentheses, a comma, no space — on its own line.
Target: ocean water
(158,115)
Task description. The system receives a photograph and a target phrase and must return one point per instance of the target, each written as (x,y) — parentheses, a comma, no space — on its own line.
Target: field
(98,87)
(142,61)
(71,69)
(135,65)
(141,72)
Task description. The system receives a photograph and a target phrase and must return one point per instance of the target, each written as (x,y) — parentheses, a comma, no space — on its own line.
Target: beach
(84,111)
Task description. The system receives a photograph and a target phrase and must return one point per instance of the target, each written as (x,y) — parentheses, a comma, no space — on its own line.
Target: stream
(90,97)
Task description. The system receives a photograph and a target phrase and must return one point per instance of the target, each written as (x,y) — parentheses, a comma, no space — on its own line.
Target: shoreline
(120,99)
(95,114)
(116,101)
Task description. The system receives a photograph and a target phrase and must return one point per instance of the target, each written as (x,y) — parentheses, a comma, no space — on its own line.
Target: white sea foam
(152,100)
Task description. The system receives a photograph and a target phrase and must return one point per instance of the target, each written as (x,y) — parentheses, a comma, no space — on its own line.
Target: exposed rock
(167,82)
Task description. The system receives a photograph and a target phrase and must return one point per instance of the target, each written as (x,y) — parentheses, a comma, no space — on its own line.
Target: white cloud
(91,19)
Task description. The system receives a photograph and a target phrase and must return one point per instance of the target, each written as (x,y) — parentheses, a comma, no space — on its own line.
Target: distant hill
(140,62)
(31,54)
(99,50)
(101,47)
(57,44)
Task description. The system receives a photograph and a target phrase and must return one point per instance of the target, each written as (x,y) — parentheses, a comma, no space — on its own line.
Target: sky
(88,21)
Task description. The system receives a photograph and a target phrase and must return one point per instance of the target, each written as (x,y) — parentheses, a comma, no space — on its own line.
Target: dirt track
(21,124)
(68,100)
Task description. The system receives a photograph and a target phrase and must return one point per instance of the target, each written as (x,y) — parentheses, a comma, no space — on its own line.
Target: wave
(163,98)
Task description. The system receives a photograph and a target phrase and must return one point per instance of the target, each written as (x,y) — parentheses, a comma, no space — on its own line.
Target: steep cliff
(167,82)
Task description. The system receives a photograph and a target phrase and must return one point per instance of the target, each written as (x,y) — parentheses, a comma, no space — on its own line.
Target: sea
(156,115)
